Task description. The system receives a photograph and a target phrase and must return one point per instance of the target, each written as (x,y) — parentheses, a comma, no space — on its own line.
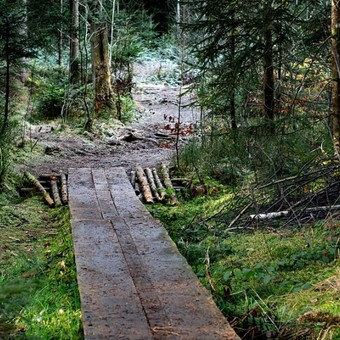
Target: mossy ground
(282,282)
(38,289)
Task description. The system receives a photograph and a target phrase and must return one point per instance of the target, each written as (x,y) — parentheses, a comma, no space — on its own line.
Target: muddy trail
(146,141)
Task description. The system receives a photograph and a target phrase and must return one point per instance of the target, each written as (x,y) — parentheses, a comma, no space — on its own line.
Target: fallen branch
(279,214)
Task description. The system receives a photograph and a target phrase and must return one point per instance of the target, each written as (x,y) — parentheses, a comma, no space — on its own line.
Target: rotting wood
(55,193)
(31,179)
(144,185)
(159,184)
(64,191)
(168,184)
(152,184)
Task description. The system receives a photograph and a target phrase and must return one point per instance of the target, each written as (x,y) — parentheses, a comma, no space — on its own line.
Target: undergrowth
(38,289)
(269,282)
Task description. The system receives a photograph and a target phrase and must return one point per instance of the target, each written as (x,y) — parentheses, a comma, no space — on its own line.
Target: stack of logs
(53,188)
(153,187)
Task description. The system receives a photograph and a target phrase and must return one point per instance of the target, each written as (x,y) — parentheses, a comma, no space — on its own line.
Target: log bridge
(133,282)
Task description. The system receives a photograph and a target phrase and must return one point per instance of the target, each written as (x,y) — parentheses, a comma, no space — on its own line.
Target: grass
(283,282)
(38,289)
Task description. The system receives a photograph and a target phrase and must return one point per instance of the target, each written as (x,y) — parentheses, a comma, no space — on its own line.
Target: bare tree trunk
(103,102)
(7,84)
(335,29)
(60,37)
(268,76)
(232,93)
(75,74)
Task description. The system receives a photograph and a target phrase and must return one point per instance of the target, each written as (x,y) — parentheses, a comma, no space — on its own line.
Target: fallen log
(55,193)
(269,216)
(167,182)
(64,192)
(152,184)
(159,185)
(279,214)
(144,185)
(31,179)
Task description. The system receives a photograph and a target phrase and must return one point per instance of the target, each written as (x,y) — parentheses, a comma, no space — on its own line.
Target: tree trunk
(60,37)
(103,101)
(232,93)
(7,84)
(335,29)
(74,45)
(268,75)
(144,185)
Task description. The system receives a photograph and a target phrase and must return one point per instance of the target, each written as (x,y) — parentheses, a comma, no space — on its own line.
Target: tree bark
(103,101)
(144,185)
(55,193)
(268,74)
(60,36)
(160,187)
(64,191)
(31,179)
(152,184)
(168,184)
(75,74)
(335,31)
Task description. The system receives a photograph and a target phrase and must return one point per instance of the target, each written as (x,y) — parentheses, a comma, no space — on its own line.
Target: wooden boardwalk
(133,282)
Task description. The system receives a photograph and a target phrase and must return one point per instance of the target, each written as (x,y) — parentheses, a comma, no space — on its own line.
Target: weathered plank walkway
(133,282)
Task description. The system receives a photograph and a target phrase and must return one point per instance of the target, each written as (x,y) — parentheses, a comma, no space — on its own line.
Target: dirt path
(138,142)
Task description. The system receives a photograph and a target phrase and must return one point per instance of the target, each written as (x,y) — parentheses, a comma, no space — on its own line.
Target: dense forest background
(265,78)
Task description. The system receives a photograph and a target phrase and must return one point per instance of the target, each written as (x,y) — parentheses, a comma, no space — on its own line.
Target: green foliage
(233,156)
(47,87)
(38,288)
(7,139)
(266,279)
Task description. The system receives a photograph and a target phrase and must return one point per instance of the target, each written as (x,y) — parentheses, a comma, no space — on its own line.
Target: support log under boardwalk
(160,187)
(64,192)
(167,182)
(152,184)
(55,193)
(40,188)
(144,185)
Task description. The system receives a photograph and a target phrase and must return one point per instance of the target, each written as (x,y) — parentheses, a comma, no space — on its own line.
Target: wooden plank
(109,300)
(133,282)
